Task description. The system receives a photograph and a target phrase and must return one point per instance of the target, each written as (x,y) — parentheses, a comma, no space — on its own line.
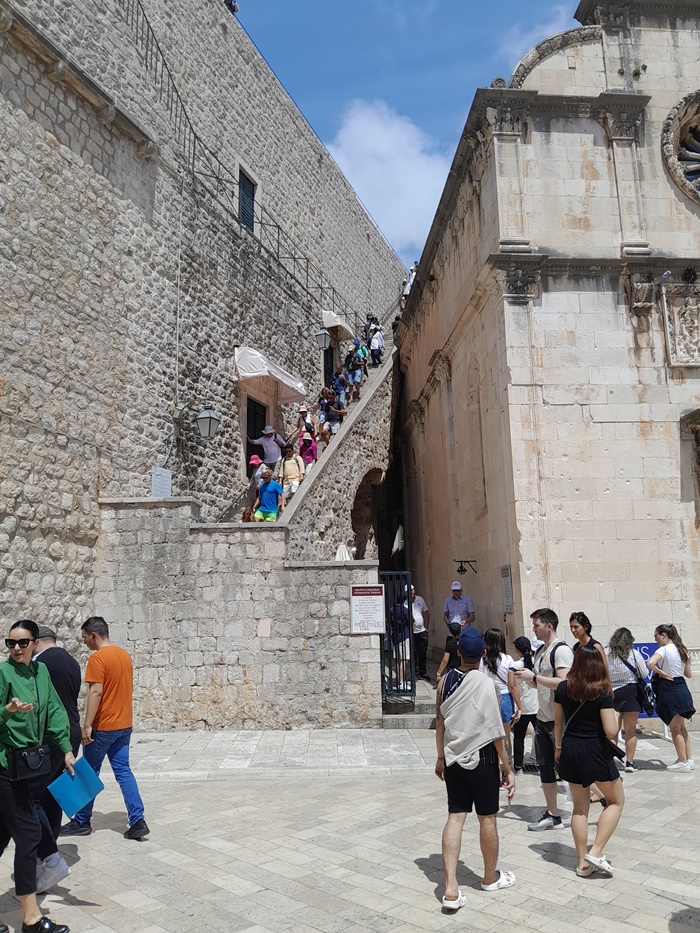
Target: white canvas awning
(251,363)
(331,319)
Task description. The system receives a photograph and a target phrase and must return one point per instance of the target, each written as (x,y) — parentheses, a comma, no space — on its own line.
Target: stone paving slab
(294,839)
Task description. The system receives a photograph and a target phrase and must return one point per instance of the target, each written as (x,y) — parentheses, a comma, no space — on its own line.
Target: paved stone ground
(338,831)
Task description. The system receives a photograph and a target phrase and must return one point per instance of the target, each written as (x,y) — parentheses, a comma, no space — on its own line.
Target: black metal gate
(398,663)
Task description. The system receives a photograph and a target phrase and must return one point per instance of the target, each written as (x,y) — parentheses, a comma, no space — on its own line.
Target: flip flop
(460,901)
(600,864)
(506,879)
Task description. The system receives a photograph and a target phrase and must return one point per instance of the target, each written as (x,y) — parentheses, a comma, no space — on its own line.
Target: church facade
(551,341)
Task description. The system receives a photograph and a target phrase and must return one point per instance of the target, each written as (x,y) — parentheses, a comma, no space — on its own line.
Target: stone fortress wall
(126,287)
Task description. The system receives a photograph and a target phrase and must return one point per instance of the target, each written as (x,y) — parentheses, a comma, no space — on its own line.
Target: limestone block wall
(224,630)
(125,290)
(244,115)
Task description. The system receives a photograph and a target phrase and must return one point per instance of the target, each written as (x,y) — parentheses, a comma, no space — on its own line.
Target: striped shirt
(620,675)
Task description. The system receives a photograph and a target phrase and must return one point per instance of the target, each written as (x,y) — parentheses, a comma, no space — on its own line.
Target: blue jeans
(115,745)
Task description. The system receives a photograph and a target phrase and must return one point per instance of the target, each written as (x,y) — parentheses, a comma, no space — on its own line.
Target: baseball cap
(456,585)
(46,632)
(303,408)
(254,460)
(471,643)
(356,341)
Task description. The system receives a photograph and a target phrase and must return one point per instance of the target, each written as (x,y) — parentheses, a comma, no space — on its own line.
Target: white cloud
(396,170)
(519,39)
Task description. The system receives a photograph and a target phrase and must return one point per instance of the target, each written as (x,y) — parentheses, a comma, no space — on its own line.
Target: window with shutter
(246,201)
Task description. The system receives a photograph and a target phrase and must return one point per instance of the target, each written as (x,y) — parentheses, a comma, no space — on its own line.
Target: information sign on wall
(367,610)
(161,483)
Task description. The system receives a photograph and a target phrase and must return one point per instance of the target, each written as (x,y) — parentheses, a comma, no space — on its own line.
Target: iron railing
(398,663)
(210,173)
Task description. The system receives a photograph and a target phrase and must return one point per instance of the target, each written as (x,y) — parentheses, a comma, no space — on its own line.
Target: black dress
(585,758)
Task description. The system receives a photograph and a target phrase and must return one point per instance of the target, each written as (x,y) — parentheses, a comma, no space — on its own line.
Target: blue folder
(72,793)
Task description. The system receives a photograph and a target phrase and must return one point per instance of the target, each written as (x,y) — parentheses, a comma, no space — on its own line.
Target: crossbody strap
(633,670)
(566,724)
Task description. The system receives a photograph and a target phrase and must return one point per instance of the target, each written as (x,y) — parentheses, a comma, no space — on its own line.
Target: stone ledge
(258,527)
(172,502)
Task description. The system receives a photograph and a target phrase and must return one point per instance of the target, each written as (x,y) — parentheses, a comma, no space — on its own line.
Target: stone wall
(126,286)
(550,342)
(243,114)
(224,631)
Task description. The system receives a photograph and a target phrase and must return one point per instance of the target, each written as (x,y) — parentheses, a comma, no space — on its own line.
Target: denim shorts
(507,707)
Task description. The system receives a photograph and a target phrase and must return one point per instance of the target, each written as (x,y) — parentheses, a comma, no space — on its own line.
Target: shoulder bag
(645,695)
(32,761)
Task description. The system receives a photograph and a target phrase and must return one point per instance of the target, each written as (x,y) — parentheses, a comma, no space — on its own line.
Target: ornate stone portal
(680,143)
(681,307)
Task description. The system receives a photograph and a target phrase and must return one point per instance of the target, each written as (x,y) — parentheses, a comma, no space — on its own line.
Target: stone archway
(364,514)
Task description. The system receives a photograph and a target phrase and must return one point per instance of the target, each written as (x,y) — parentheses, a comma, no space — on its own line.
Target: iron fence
(398,663)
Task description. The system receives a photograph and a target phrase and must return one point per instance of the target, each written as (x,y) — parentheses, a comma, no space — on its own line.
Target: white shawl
(472,716)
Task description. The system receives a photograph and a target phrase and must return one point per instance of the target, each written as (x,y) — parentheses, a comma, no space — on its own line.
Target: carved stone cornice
(618,12)
(681,308)
(623,126)
(415,416)
(520,285)
(544,49)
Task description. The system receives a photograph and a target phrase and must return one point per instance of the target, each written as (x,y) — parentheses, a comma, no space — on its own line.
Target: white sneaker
(50,872)
(683,766)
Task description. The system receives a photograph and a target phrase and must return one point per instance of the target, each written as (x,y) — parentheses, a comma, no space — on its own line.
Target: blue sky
(387,86)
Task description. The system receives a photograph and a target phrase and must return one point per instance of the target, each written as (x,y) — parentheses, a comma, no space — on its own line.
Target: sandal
(600,864)
(459,901)
(601,800)
(506,879)
(585,872)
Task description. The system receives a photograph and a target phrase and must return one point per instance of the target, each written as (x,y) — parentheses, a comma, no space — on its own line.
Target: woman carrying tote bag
(32,708)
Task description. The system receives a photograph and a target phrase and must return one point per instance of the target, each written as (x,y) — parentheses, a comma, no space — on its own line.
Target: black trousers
(19,822)
(518,732)
(420,647)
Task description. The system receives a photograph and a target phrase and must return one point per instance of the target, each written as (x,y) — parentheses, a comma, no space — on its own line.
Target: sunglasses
(15,642)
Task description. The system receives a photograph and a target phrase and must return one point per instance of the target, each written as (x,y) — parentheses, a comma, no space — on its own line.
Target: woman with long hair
(670,665)
(497,665)
(626,666)
(584,749)
(580,626)
(529,702)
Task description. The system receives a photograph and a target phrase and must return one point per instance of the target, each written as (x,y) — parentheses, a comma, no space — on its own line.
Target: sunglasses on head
(21,642)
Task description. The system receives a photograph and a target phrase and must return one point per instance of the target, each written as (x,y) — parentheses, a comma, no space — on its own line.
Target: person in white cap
(458,608)
(272,445)
(305,422)
(421,623)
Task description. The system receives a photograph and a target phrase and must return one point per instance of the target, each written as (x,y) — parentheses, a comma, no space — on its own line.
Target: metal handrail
(207,169)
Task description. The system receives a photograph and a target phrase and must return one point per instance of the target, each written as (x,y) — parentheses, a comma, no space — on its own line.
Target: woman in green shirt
(31,709)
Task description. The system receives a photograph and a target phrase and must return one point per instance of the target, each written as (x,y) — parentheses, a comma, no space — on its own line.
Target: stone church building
(173,238)
(551,343)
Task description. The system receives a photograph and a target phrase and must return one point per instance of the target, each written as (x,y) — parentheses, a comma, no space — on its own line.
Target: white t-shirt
(419,607)
(529,700)
(670,662)
(564,657)
(500,678)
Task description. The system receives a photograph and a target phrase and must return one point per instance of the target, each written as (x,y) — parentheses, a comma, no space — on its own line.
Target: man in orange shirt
(107,726)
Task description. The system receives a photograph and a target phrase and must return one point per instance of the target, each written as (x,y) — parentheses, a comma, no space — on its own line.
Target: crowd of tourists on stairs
(286,461)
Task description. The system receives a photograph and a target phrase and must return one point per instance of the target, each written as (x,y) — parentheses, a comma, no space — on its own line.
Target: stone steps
(409,721)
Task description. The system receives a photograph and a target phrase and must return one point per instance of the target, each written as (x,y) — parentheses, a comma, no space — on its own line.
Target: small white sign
(367,610)
(507,590)
(161,482)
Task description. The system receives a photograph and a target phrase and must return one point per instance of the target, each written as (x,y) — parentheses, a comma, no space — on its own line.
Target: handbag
(32,761)
(645,694)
